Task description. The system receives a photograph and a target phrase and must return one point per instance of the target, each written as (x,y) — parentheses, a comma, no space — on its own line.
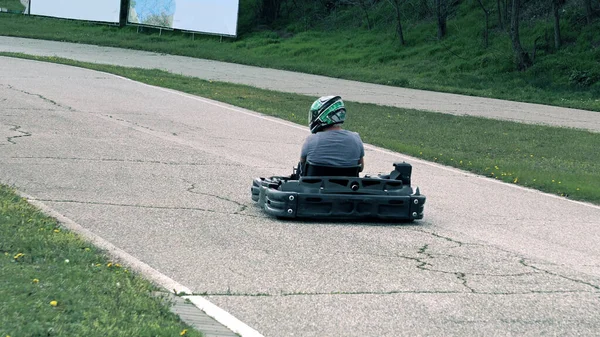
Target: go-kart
(326,192)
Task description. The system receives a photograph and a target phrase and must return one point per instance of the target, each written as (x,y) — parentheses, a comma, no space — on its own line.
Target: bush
(582,78)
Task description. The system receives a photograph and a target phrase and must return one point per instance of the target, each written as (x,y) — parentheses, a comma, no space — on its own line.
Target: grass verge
(52,283)
(562,161)
(14,5)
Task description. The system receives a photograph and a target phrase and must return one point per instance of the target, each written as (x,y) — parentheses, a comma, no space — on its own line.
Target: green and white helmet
(327,110)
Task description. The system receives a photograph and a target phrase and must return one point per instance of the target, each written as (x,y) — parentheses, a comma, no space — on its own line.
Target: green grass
(567,77)
(42,264)
(556,160)
(12,5)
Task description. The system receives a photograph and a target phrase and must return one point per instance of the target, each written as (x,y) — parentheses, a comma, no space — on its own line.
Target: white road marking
(225,318)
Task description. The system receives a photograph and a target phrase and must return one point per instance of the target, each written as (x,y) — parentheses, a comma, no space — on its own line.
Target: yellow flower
(516,180)
(53,303)
(57,230)
(35,280)
(496,167)
(117,265)
(18,256)
(183,332)
(109,264)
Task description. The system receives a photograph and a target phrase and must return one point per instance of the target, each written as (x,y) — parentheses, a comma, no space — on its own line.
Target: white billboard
(206,16)
(89,10)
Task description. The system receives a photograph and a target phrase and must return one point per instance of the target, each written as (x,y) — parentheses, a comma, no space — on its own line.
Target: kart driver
(329,144)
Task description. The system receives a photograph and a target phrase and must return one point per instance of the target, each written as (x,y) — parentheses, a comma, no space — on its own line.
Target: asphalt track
(165,177)
(313,85)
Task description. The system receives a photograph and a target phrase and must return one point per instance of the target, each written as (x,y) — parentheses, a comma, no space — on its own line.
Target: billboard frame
(237,14)
(108,23)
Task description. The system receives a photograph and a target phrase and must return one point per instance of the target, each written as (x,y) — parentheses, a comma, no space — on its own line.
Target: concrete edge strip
(213,311)
(148,272)
(367,146)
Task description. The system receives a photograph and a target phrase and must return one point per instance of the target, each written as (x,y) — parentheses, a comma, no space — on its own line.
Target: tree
(441,11)
(499,8)
(588,11)
(522,59)
(556,6)
(487,23)
(269,10)
(365,6)
(124,11)
(396,4)
(506,7)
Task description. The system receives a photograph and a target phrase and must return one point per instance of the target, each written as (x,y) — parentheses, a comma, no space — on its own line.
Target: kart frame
(347,196)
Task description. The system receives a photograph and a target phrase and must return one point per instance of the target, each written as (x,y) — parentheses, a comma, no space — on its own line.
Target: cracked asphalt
(165,176)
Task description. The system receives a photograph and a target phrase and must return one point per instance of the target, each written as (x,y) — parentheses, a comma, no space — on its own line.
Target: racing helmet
(327,110)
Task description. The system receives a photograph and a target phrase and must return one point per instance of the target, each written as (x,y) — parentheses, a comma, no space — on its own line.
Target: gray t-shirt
(333,148)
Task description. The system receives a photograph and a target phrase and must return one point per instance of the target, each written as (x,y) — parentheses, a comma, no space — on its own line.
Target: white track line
(142,268)
(233,323)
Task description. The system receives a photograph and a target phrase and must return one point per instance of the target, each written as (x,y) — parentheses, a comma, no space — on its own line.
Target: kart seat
(312,170)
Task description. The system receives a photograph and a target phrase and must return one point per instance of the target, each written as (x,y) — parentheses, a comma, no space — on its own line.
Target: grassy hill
(338,42)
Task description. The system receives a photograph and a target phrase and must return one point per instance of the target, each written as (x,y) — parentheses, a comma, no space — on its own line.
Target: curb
(226,319)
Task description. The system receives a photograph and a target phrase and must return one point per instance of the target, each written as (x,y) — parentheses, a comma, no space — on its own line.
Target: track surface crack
(135,161)
(17,128)
(141,206)
(241,207)
(524,263)
(228,292)
(41,97)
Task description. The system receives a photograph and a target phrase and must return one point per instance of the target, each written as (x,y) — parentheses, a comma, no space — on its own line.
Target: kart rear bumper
(311,205)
